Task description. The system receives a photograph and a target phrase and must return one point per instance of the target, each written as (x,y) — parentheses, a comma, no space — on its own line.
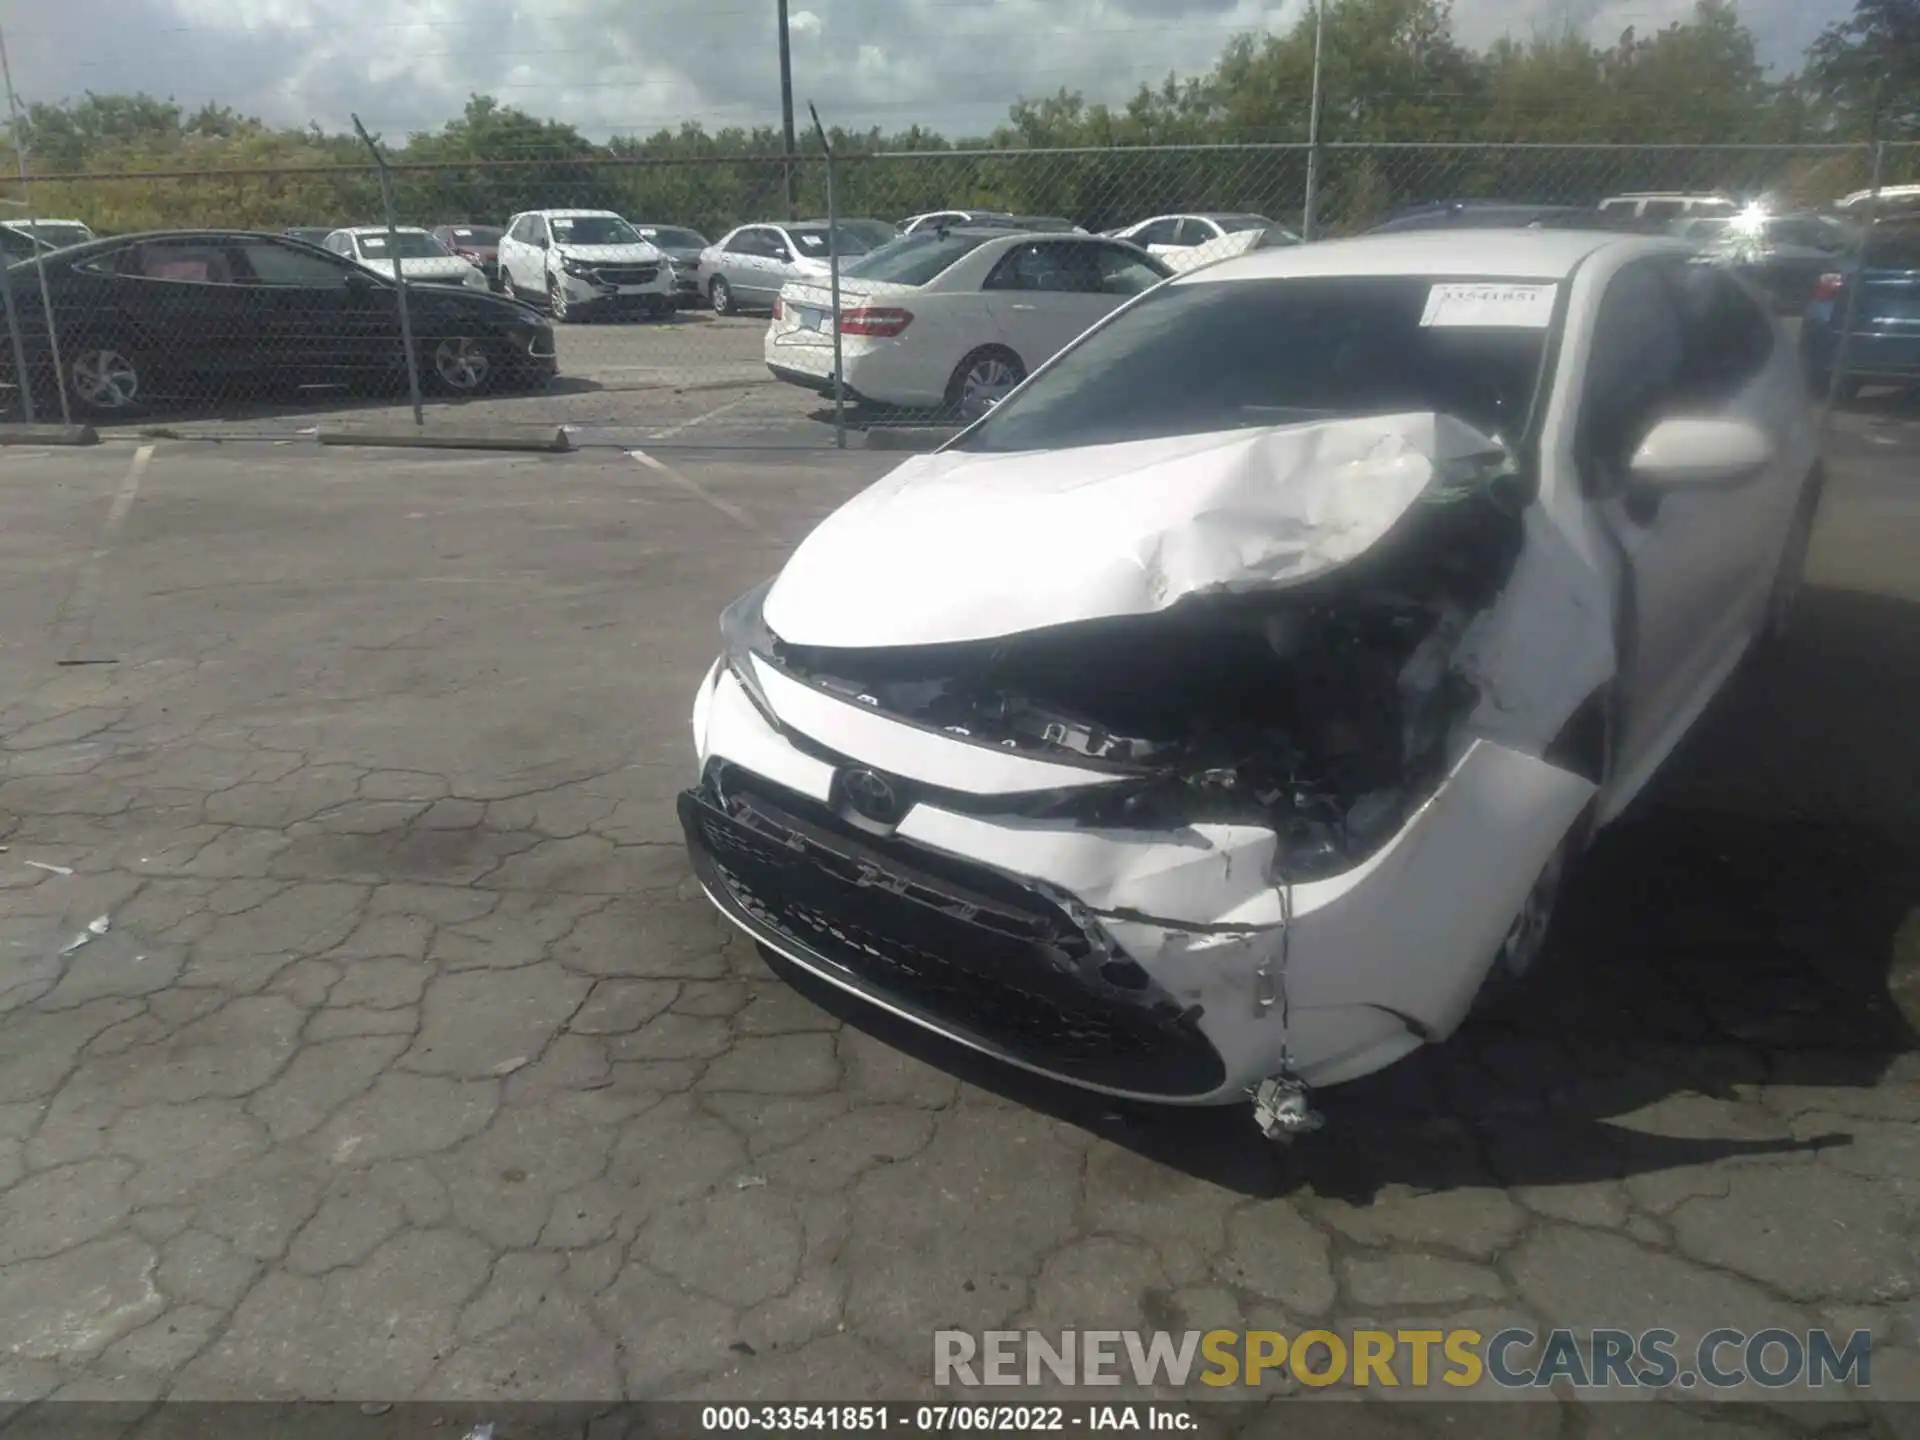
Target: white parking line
(698,420)
(76,618)
(694,487)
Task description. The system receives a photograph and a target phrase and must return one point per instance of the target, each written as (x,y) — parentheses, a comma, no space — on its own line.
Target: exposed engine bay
(1328,710)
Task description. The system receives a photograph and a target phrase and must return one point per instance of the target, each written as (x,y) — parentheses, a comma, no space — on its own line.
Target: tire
(103,377)
(460,365)
(558,306)
(982,380)
(721,295)
(506,283)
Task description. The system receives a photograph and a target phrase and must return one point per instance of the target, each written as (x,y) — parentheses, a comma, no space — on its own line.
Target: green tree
(1866,68)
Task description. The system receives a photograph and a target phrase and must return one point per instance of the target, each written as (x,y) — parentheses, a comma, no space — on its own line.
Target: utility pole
(786,112)
(1313,123)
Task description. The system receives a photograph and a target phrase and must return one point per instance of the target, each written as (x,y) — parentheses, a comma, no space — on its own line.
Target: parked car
(1478,215)
(1893,199)
(478,245)
(423,260)
(18,244)
(1222,711)
(1884,345)
(746,267)
(1783,255)
(953,319)
(990,219)
(1662,206)
(871,233)
(309,234)
(1240,242)
(192,313)
(1163,235)
(683,247)
(55,233)
(582,262)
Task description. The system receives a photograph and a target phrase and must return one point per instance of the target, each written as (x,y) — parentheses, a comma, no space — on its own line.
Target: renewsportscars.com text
(1510,1359)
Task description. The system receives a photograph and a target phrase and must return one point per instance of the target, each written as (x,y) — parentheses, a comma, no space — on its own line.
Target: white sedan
(1219,715)
(1197,237)
(953,319)
(423,260)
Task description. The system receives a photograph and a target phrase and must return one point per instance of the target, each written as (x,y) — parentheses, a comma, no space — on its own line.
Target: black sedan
(193,314)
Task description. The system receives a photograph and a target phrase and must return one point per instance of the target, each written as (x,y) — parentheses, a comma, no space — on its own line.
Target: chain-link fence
(643,298)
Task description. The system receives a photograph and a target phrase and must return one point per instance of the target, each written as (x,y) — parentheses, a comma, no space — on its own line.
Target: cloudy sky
(635,65)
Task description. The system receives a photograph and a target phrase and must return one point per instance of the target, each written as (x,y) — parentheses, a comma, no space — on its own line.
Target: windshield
(814,242)
(1191,359)
(56,234)
(1042,224)
(477,234)
(593,230)
(672,238)
(915,259)
(414,245)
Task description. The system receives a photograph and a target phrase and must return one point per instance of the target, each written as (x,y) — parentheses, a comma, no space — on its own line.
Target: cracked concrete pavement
(411,1064)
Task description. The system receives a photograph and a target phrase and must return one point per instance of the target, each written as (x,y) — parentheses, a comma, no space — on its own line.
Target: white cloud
(610,65)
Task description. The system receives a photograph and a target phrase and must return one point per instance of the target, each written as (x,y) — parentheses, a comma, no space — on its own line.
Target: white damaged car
(1216,716)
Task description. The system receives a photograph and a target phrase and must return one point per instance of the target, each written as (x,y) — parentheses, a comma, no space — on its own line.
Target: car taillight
(882,321)
(778,312)
(1828,286)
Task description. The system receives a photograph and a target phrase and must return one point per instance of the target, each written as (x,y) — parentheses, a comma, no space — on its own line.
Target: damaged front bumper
(1170,965)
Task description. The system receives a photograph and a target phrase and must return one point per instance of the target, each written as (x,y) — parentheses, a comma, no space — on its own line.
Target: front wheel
(721,294)
(462,365)
(558,305)
(103,377)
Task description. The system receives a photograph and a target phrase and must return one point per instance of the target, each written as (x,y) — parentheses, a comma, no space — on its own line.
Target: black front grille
(976,953)
(629,274)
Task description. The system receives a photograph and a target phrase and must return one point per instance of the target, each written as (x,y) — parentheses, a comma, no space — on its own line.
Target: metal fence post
(39,262)
(1850,304)
(833,282)
(399,270)
(22,378)
(1307,211)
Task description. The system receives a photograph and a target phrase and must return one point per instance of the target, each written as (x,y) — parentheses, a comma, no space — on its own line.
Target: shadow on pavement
(1736,929)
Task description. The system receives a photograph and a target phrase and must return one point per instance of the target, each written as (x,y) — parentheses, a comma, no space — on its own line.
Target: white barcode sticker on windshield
(1489,306)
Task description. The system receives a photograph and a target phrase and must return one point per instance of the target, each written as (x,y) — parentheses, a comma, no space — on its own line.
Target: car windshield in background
(814,242)
(477,234)
(1042,224)
(414,245)
(593,230)
(674,239)
(1192,359)
(1894,247)
(915,259)
(57,235)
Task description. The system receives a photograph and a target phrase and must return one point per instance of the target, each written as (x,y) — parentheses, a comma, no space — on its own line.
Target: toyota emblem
(871,796)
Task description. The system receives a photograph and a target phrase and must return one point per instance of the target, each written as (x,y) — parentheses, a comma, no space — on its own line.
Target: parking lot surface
(365,1037)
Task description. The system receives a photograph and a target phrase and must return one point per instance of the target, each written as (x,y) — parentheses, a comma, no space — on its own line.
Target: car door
(737,259)
(1043,293)
(1690,558)
(177,302)
(319,320)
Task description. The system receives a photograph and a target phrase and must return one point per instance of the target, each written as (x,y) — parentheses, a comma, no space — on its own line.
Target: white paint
(698,420)
(693,487)
(129,489)
(1489,306)
(959,546)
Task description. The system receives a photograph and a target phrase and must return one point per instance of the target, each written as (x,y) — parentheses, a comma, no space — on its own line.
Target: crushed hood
(960,546)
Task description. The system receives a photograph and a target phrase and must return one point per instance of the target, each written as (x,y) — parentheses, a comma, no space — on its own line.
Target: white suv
(579,260)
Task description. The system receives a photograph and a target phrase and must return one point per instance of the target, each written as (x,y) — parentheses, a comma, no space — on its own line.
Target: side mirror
(1698,452)
(542,243)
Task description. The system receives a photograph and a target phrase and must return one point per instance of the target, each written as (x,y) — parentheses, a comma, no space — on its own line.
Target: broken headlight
(743,633)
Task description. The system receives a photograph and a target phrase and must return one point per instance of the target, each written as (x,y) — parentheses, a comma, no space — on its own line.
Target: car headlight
(573,266)
(474,279)
(743,630)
